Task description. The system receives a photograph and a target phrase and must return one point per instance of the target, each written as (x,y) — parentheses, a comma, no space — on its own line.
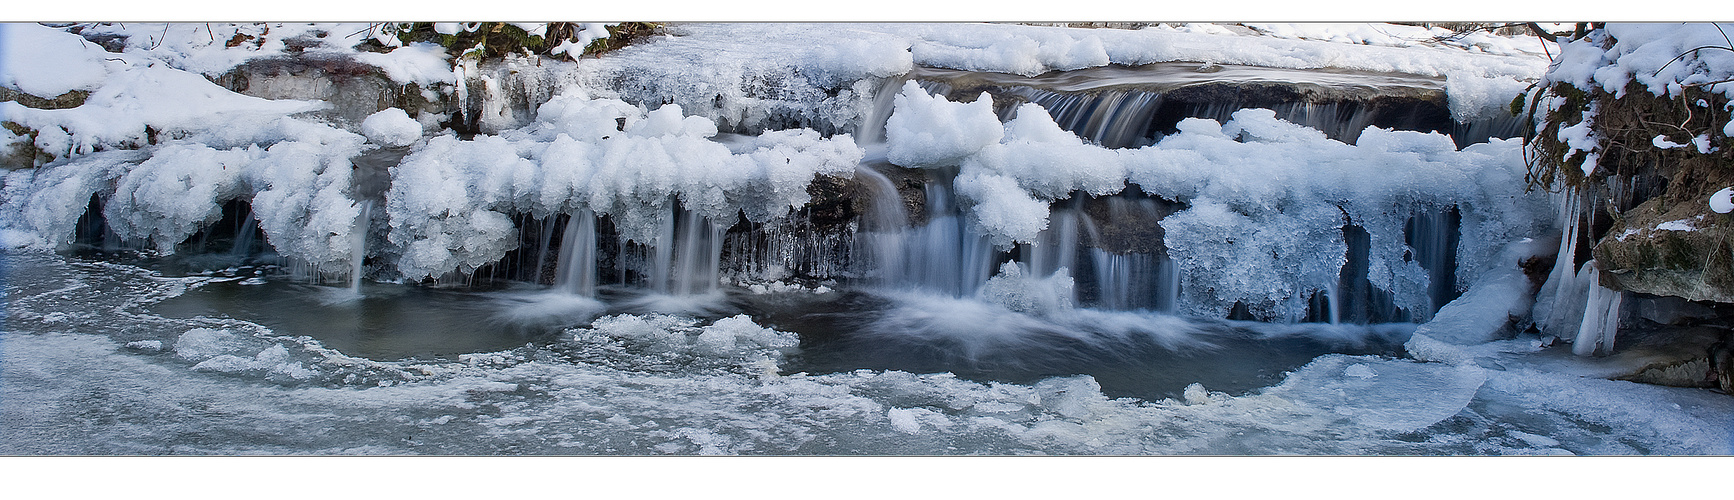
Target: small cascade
(1433,237)
(872,128)
(1057,249)
(246,243)
(1336,303)
(1354,299)
(358,245)
(879,238)
(1129,107)
(1112,118)
(946,255)
(576,271)
(685,257)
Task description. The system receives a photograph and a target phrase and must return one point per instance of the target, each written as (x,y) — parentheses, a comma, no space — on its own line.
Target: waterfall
(1433,236)
(244,241)
(685,257)
(358,245)
(879,239)
(946,255)
(576,265)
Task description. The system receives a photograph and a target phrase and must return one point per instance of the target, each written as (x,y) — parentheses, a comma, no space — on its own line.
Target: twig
(1692,51)
(1542,34)
(159,43)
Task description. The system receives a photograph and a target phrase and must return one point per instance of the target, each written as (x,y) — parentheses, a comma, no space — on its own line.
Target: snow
(1473,98)
(1676,225)
(1662,58)
(931,131)
(421,63)
(46,62)
(391,127)
(1722,201)
(449,200)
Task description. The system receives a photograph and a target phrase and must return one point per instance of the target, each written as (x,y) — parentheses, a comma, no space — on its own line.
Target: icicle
(1554,309)
(1601,317)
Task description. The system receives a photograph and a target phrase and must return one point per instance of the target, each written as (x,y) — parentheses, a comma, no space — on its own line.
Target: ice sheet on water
(1400,396)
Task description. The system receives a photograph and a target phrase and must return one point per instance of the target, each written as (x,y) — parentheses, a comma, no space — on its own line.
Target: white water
(358,246)
(576,271)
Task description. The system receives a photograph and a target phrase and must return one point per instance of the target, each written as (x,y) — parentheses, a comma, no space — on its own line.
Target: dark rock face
(354,89)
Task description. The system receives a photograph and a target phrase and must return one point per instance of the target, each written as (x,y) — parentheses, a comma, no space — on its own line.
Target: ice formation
(1267,199)
(450,199)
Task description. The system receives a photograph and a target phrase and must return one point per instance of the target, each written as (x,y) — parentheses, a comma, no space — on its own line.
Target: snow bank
(136,101)
(46,62)
(1658,56)
(421,63)
(1267,198)
(1032,50)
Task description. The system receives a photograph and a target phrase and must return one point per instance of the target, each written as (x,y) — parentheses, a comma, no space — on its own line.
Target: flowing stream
(903,329)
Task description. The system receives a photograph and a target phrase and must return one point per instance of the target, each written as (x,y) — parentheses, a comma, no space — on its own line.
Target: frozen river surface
(105,358)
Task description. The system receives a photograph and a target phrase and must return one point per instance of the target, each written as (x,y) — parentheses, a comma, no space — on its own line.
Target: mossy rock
(1638,255)
(68,100)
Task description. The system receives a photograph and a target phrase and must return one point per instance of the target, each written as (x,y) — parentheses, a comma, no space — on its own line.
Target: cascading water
(636,284)
(947,254)
(358,246)
(576,271)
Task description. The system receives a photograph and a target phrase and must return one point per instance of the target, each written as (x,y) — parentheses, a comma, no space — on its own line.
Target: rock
(1668,310)
(1677,357)
(355,90)
(1673,244)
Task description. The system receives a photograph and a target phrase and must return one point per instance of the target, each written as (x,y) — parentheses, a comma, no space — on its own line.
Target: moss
(68,100)
(493,40)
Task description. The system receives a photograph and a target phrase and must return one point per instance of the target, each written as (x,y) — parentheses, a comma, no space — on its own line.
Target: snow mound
(46,62)
(391,127)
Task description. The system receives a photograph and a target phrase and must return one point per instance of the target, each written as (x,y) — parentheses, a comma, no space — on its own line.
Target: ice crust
(1267,198)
